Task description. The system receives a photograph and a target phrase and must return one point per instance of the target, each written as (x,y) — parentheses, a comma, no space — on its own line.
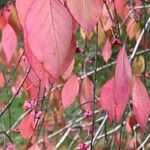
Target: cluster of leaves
(47,49)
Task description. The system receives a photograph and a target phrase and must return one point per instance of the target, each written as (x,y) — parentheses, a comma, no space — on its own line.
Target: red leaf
(2,79)
(122,83)
(141,103)
(86,12)
(2,22)
(70,91)
(107,99)
(130,123)
(26,126)
(107,51)
(48,35)
(86,94)
(9,41)
(31,89)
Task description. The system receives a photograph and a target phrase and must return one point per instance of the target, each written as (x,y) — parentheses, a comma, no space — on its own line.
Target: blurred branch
(18,121)
(100,129)
(139,39)
(103,67)
(131,11)
(63,137)
(144,142)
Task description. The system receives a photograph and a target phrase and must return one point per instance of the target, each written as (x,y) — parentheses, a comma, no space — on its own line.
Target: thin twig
(73,141)
(19,88)
(99,129)
(18,121)
(101,68)
(2,132)
(94,92)
(63,137)
(144,142)
(109,132)
(16,67)
(131,11)
(139,40)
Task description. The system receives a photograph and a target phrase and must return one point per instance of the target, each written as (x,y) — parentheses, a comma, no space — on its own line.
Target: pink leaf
(70,91)
(133,142)
(9,41)
(38,68)
(107,51)
(107,99)
(26,126)
(86,94)
(122,9)
(48,35)
(122,83)
(48,145)
(22,7)
(11,146)
(141,103)
(68,72)
(86,12)
(35,146)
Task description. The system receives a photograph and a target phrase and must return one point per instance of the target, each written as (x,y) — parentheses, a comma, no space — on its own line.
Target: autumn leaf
(26,126)
(107,51)
(2,79)
(141,102)
(9,41)
(70,91)
(22,7)
(86,94)
(45,29)
(86,12)
(122,83)
(107,99)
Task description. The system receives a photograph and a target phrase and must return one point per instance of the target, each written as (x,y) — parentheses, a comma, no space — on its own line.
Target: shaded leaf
(86,94)
(38,68)
(35,146)
(121,8)
(132,28)
(26,126)
(70,91)
(69,70)
(49,146)
(133,143)
(107,51)
(130,123)
(139,65)
(2,79)
(141,102)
